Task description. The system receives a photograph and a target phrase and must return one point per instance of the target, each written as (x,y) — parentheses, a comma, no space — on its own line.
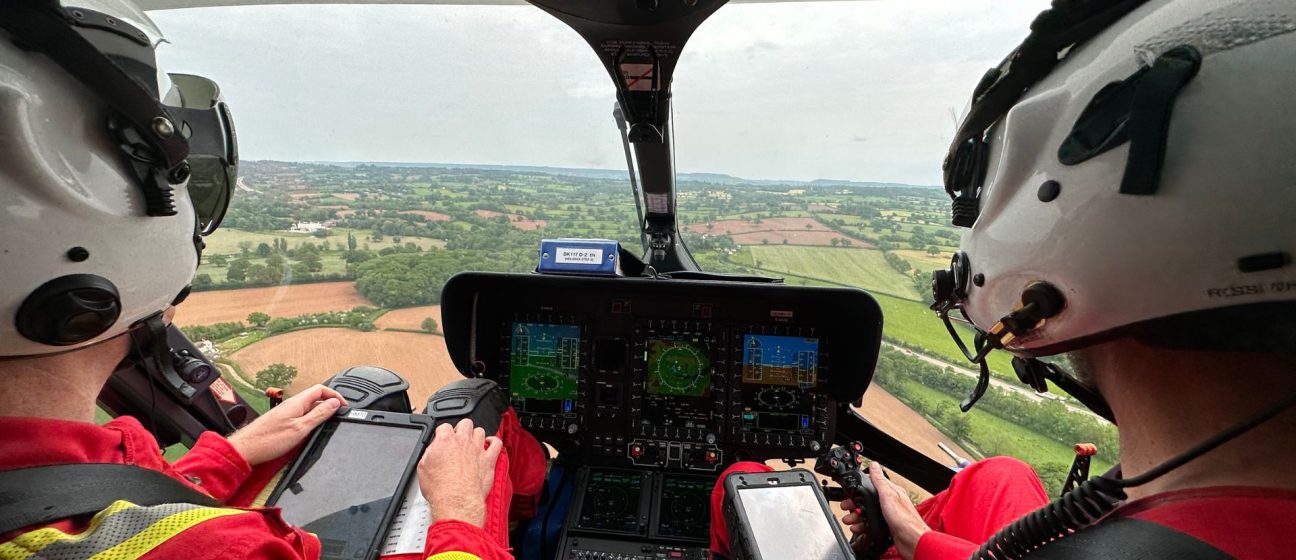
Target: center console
(654,386)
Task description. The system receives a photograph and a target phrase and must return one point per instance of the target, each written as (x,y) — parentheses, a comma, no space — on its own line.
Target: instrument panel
(666,374)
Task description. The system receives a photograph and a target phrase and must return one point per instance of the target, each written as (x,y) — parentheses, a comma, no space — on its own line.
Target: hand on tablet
(285,426)
(457,472)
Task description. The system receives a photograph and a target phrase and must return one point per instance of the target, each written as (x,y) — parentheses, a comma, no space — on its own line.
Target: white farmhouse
(306,227)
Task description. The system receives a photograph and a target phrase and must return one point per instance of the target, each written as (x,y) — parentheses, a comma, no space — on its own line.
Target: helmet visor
(205,121)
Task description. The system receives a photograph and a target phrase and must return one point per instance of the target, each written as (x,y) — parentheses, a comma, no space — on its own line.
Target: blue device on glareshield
(596,257)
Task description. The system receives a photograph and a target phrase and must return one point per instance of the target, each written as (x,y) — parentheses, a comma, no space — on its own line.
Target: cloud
(761,91)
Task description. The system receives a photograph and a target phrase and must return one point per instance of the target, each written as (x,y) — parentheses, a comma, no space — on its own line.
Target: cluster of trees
(217,332)
(897,262)
(281,265)
(708,242)
(360,318)
(407,280)
(275,375)
(1049,417)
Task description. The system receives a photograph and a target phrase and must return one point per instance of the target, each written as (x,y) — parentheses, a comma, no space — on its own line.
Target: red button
(676,554)
(711,456)
(636,451)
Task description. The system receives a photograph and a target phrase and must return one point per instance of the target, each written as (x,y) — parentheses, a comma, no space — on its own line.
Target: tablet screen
(790,522)
(343,489)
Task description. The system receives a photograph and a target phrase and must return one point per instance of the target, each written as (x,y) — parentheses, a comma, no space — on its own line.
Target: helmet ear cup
(69,310)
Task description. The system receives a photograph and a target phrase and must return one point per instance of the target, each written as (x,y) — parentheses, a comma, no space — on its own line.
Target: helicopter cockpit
(645,373)
(647,381)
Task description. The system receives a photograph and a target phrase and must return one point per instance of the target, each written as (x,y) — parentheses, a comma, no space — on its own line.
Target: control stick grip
(876,538)
(842,464)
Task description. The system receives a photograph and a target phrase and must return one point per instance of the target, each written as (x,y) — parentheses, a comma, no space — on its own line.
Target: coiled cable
(1099,496)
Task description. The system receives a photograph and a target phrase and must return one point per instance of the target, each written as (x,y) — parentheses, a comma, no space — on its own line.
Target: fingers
(493,447)
(847,504)
(321,412)
(444,431)
(878,475)
(330,393)
(464,428)
(479,437)
(316,393)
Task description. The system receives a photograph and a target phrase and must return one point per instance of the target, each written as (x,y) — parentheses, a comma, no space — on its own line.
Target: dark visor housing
(166,145)
(206,122)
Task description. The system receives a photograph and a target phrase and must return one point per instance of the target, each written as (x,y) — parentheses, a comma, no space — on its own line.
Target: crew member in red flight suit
(1135,189)
(102,201)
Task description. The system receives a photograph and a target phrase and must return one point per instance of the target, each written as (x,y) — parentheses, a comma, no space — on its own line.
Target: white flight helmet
(109,172)
(1130,170)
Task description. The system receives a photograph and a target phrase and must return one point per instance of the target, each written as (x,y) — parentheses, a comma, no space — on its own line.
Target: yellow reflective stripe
(31,542)
(264,496)
(453,555)
(158,533)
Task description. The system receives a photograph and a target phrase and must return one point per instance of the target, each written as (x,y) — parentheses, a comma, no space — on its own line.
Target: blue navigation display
(780,360)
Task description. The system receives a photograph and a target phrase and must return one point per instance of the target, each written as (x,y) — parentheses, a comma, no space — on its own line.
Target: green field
(995,436)
(923,262)
(865,268)
(914,324)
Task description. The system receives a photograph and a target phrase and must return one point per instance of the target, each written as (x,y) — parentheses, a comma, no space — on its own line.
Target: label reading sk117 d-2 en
(578,255)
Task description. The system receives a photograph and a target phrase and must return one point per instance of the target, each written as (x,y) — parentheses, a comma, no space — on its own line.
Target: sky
(865,91)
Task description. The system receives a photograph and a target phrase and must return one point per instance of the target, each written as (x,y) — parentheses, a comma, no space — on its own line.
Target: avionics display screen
(342,492)
(790,522)
(544,367)
(780,360)
(685,509)
(677,381)
(678,365)
(612,501)
(778,376)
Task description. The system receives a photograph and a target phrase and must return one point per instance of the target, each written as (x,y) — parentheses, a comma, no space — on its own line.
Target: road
(998,383)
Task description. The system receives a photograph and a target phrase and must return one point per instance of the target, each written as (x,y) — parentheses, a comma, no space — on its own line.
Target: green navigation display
(544,361)
(678,366)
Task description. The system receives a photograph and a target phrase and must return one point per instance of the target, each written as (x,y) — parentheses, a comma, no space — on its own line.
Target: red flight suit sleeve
(214,466)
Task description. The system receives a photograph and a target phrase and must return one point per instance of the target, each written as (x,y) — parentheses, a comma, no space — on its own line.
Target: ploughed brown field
(409,318)
(220,306)
(422,359)
(431,216)
(517,220)
(774,231)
